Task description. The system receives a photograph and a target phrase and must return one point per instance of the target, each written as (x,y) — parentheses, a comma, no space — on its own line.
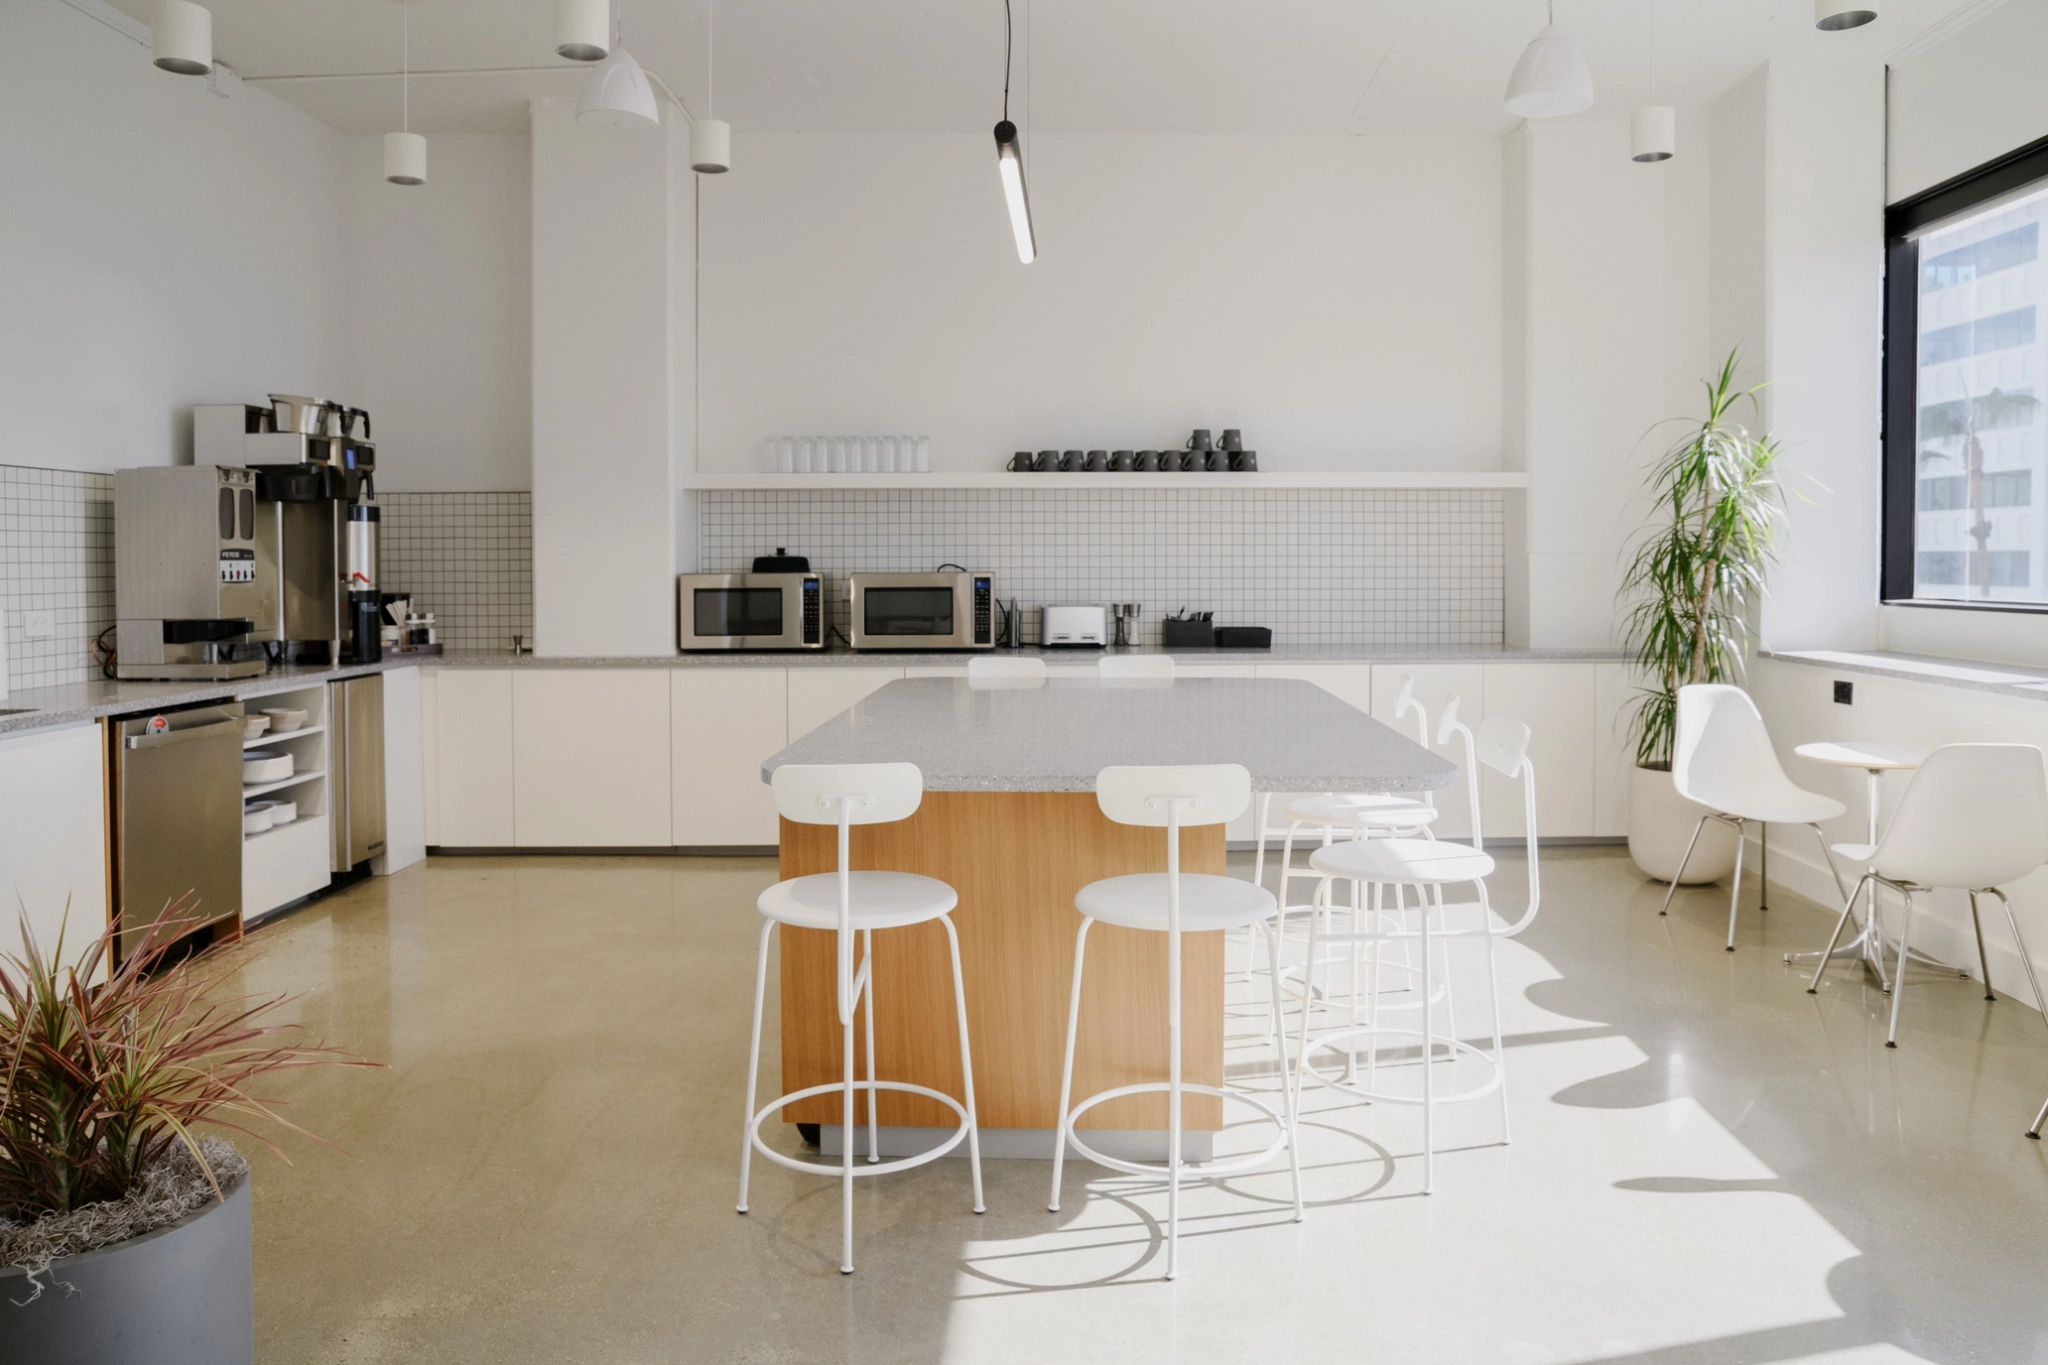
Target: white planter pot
(1660,825)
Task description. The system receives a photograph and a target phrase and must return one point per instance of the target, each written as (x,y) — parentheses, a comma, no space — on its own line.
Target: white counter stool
(1172,903)
(1151,666)
(1973,818)
(853,904)
(989,666)
(1429,865)
(1721,757)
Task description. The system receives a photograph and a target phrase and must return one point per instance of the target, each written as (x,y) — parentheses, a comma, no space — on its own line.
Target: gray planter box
(182,1295)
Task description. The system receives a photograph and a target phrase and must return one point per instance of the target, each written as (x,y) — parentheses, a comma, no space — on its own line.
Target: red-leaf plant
(99,1079)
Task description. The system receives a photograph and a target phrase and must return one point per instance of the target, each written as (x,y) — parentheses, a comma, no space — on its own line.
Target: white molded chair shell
(1204,794)
(997,667)
(1974,816)
(1135,666)
(810,793)
(1502,744)
(1721,756)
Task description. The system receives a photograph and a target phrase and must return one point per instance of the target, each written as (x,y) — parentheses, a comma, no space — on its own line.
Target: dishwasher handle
(180,736)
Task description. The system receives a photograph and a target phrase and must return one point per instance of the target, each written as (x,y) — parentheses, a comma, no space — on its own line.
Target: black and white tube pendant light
(181,38)
(1832,16)
(1551,79)
(710,138)
(405,152)
(583,30)
(1010,163)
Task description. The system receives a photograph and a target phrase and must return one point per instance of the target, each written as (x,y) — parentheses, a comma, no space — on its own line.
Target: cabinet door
(1556,702)
(725,722)
(818,693)
(474,757)
(53,848)
(1349,683)
(1435,685)
(1616,689)
(590,757)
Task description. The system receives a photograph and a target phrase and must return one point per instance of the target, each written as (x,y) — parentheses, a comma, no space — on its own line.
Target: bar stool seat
(1404,862)
(1138,901)
(1361,811)
(881,900)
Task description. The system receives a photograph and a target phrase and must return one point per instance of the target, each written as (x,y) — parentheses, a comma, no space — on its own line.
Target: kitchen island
(1009,820)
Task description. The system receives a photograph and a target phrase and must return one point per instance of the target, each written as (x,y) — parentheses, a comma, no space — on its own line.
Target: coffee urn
(364,644)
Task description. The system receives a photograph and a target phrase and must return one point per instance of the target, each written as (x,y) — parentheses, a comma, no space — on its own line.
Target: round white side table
(1875,760)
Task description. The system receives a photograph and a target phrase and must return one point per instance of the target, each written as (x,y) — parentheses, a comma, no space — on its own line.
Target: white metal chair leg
(754,1061)
(1677,876)
(1827,953)
(867,955)
(1059,1146)
(1428,1072)
(1899,985)
(1173,1099)
(2039,1119)
(1500,1056)
(1735,887)
(846,1154)
(1983,962)
(1286,1088)
(966,1062)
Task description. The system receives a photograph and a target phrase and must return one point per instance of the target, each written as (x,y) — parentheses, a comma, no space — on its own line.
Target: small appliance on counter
(923,610)
(1073,626)
(195,573)
(772,608)
(1181,631)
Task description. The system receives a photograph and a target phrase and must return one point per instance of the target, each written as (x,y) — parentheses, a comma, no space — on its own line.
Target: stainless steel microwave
(923,611)
(750,611)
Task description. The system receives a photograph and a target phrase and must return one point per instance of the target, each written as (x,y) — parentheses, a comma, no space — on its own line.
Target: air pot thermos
(365,606)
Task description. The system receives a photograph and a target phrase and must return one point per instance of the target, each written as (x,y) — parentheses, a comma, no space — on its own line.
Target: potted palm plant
(1695,577)
(124,1232)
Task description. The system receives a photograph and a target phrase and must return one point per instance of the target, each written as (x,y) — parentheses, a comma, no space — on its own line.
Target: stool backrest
(871,793)
(998,667)
(1502,744)
(1721,754)
(1135,666)
(1975,816)
(1405,704)
(1197,794)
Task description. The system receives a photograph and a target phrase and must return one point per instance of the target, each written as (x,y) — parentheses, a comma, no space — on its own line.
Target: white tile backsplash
(465,557)
(56,556)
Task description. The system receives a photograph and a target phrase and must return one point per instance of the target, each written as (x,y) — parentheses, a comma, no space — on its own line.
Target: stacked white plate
(265,765)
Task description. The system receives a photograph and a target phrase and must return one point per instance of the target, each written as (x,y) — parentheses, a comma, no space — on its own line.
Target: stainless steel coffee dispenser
(195,573)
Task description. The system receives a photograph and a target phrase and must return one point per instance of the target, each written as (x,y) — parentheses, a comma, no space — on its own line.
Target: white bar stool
(850,904)
(1022,667)
(1149,666)
(1975,816)
(1428,865)
(1172,903)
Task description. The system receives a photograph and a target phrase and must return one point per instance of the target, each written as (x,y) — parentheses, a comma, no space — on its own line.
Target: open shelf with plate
(285,862)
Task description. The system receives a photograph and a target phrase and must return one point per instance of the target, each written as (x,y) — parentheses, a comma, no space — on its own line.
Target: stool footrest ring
(1234,1165)
(860,1168)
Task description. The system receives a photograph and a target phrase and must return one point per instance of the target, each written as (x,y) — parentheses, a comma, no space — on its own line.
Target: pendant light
(1551,79)
(710,138)
(1010,163)
(1653,130)
(1832,16)
(583,29)
(181,38)
(616,93)
(405,152)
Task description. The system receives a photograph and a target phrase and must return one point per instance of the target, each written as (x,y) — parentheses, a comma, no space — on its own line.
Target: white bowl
(256,820)
(283,719)
(254,726)
(265,765)
(283,813)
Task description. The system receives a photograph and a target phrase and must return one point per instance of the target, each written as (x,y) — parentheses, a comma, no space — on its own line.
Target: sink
(17,710)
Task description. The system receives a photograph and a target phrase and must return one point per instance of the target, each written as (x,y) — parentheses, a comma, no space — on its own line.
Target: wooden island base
(1016,859)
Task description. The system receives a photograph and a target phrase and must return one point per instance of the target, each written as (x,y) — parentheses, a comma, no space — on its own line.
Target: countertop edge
(62,710)
(2026,684)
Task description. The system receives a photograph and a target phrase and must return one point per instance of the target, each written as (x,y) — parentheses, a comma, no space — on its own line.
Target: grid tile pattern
(465,557)
(56,556)
(1319,566)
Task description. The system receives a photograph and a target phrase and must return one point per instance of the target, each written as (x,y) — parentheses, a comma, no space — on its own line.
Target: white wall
(163,246)
(439,313)
(1975,95)
(1337,298)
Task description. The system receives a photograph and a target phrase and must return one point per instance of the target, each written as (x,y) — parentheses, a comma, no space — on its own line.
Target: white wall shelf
(296,779)
(270,737)
(1466,480)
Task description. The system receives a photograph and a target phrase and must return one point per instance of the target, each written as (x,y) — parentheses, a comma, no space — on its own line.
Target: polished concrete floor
(1708,1164)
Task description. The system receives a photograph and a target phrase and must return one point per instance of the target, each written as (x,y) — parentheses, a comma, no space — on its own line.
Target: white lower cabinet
(473,752)
(1556,701)
(53,849)
(280,865)
(817,694)
(590,757)
(723,723)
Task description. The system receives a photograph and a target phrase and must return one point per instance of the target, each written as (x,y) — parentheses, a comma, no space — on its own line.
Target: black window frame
(1994,179)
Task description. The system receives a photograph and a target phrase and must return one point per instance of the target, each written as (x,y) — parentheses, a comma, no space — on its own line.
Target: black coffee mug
(1245,461)
(1190,461)
(1020,463)
(1098,461)
(1145,461)
(1233,439)
(1200,440)
(1070,461)
(1215,461)
(1047,461)
(1120,461)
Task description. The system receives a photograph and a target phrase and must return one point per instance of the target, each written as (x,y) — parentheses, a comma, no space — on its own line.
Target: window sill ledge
(2008,680)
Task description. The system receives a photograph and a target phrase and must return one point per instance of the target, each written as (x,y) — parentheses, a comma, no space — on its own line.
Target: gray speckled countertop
(68,703)
(1056,736)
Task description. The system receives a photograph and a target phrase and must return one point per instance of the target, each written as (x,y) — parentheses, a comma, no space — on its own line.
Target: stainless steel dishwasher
(355,710)
(177,786)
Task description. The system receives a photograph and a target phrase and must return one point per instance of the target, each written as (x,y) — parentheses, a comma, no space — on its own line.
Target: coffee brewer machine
(195,573)
(316,501)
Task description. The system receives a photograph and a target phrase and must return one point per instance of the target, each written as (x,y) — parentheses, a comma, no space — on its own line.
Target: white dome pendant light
(1832,16)
(583,29)
(405,152)
(1653,130)
(181,38)
(616,94)
(710,138)
(1010,163)
(1551,79)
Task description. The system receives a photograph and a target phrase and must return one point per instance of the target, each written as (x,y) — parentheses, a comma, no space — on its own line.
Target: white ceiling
(1208,66)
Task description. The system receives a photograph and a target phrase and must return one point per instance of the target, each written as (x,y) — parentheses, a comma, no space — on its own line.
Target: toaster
(1084,626)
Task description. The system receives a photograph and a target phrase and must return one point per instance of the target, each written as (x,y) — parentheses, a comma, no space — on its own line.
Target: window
(1966,370)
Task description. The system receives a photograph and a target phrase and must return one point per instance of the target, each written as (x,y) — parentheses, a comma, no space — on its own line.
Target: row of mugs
(846,455)
(1135,462)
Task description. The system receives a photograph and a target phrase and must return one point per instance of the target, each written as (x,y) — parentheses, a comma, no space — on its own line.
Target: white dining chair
(1974,817)
(997,666)
(1173,903)
(1428,865)
(1721,757)
(853,906)
(1135,666)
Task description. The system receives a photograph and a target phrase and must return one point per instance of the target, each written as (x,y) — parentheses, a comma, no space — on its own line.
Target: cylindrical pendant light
(583,29)
(405,158)
(181,38)
(1551,79)
(711,146)
(1832,16)
(1010,166)
(1653,133)
(616,94)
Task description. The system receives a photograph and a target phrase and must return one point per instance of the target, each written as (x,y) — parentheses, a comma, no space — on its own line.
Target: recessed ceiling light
(1832,16)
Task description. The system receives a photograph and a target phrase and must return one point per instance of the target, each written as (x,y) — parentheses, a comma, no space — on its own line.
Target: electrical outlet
(38,625)
(1845,693)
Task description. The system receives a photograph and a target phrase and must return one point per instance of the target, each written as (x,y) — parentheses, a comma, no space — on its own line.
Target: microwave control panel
(984,612)
(814,620)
